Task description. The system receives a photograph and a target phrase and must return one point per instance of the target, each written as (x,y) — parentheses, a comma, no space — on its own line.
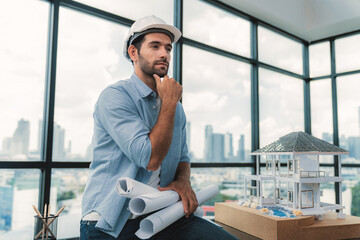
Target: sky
(216,89)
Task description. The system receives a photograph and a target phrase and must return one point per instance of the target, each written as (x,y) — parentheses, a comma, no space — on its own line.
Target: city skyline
(17,148)
(218,147)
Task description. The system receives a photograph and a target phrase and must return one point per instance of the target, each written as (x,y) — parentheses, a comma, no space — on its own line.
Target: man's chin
(161,73)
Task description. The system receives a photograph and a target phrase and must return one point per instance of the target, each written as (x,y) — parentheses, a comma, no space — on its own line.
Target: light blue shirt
(123,117)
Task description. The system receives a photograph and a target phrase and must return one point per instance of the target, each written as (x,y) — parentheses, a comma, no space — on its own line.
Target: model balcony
(312,174)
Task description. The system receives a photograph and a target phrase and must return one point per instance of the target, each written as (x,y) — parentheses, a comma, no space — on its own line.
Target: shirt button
(154,106)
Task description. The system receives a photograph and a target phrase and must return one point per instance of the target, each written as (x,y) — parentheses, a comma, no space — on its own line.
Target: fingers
(187,195)
(186,206)
(157,79)
(192,204)
(165,188)
(183,197)
(169,90)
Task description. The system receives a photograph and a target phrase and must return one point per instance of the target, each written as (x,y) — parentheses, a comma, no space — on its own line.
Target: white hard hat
(147,25)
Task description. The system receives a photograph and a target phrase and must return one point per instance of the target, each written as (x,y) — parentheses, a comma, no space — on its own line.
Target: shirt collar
(142,88)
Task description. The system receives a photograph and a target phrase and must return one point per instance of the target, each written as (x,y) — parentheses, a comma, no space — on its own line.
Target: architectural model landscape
(293,175)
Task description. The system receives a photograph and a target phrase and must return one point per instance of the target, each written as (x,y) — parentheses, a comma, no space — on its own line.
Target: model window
(253,191)
(277,193)
(290,196)
(277,165)
(307,199)
(268,164)
(290,165)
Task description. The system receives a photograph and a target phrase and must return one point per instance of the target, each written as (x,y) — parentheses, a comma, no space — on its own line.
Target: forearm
(161,134)
(183,171)
(182,186)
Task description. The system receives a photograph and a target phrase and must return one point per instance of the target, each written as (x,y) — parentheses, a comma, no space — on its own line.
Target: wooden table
(248,223)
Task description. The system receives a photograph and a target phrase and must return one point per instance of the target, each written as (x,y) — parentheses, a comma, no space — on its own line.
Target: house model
(293,175)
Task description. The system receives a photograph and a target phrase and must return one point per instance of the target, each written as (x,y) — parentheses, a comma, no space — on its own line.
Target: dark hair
(138,42)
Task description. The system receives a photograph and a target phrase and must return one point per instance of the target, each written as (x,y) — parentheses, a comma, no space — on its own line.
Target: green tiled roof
(300,142)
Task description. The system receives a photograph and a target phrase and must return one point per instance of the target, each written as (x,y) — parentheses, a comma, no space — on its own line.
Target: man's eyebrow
(158,42)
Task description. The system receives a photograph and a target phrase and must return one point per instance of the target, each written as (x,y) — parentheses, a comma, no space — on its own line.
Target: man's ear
(133,53)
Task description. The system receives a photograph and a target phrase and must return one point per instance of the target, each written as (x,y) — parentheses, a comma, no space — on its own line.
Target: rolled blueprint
(150,202)
(128,187)
(163,218)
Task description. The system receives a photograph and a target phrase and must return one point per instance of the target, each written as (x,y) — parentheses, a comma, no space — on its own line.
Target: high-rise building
(40,132)
(229,151)
(241,149)
(218,147)
(214,150)
(21,138)
(6,145)
(6,207)
(208,149)
(354,147)
(89,153)
(344,143)
(58,143)
(327,137)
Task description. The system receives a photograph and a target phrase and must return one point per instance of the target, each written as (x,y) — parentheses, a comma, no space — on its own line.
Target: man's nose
(164,53)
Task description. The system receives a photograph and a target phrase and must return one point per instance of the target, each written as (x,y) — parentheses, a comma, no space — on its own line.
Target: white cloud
(234,37)
(136,9)
(22,65)
(271,130)
(232,124)
(204,102)
(280,51)
(348,105)
(321,107)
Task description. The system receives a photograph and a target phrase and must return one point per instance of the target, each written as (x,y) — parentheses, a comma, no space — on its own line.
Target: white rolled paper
(165,217)
(128,187)
(150,202)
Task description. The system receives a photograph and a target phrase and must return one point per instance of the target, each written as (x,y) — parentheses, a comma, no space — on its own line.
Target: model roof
(300,142)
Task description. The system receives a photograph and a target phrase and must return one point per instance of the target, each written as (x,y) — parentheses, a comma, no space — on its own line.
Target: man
(139,132)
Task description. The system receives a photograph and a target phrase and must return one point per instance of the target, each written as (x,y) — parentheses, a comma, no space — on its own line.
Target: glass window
(351,191)
(67,187)
(135,9)
(23,44)
(347,52)
(229,180)
(319,56)
(321,109)
(281,101)
(218,119)
(205,23)
(280,51)
(19,190)
(349,116)
(268,189)
(327,190)
(89,59)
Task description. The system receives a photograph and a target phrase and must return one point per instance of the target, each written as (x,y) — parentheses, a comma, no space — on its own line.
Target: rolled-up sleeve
(120,118)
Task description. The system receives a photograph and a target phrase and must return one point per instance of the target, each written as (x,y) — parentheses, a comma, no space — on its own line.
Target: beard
(149,68)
